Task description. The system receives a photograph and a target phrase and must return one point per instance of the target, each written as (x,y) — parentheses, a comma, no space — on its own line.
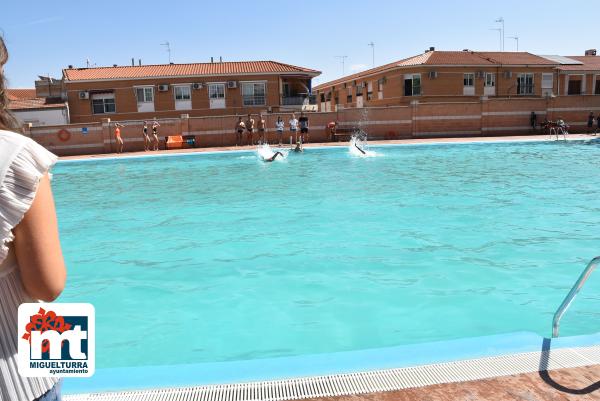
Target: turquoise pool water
(221,257)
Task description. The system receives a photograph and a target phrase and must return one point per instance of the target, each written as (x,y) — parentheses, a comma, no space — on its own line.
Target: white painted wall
(42,117)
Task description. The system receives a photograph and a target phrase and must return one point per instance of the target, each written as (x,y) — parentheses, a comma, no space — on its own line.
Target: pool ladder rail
(587,272)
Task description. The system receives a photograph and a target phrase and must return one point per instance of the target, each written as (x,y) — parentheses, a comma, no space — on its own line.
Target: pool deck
(521,138)
(580,384)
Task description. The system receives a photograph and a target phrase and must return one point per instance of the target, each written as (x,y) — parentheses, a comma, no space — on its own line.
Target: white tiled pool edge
(365,382)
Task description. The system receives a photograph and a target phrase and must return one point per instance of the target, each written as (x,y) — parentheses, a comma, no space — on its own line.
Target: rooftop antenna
(500,32)
(501,21)
(343,59)
(168,45)
(373,48)
(516,38)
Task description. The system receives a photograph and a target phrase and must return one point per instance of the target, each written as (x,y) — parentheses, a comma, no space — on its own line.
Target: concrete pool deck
(491,139)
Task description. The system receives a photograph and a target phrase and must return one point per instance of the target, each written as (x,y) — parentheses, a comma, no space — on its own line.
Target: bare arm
(37,247)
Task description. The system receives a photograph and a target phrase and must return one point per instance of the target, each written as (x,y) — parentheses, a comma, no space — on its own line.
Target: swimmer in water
(298,147)
(272,158)
(361,151)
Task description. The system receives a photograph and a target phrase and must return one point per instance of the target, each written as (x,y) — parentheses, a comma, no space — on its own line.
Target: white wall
(42,117)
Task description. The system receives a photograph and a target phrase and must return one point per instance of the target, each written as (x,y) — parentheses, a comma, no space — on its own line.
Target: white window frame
(182,86)
(490,80)
(212,85)
(246,84)
(145,93)
(469,76)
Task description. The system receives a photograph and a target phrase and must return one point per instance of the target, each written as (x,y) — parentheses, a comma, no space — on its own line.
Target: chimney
(220,59)
(114,65)
(211,60)
(590,52)
(432,49)
(132,61)
(140,62)
(70,66)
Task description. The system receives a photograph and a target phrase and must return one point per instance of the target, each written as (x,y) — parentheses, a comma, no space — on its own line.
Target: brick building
(447,76)
(200,89)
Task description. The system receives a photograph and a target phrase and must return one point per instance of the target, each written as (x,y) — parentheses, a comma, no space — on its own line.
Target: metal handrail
(572,294)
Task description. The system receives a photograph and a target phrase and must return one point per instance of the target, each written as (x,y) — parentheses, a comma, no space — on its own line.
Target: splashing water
(358,145)
(265,152)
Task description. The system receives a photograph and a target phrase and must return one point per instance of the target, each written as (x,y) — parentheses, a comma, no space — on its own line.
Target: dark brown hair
(7,121)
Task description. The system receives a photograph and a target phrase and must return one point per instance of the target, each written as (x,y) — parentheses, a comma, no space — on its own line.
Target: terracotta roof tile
(174,70)
(590,63)
(457,58)
(20,99)
(516,58)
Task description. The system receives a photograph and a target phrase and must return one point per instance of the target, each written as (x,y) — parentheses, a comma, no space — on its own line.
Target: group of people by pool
(298,129)
(149,142)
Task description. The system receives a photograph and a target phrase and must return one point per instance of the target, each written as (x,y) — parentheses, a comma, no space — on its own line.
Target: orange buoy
(64,135)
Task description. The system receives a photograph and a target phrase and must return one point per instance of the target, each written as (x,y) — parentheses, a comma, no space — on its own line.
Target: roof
(451,58)
(588,63)
(560,59)
(177,70)
(22,99)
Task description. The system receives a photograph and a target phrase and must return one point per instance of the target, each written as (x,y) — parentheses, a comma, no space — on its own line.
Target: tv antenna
(168,45)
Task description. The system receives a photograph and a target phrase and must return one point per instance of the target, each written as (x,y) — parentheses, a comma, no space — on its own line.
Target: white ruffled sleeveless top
(22,164)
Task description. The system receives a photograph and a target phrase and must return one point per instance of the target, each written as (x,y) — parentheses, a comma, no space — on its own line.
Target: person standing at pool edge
(303,120)
(590,122)
(155,126)
(249,128)
(31,261)
(146,137)
(279,126)
(118,138)
(239,131)
(262,138)
(294,127)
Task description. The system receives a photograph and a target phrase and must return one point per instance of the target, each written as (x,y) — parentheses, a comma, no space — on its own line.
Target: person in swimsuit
(249,128)
(262,138)
(118,138)
(146,137)
(239,129)
(303,120)
(359,149)
(155,126)
(272,158)
(298,147)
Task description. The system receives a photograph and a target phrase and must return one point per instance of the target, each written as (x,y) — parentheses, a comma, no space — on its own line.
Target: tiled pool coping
(246,149)
(152,377)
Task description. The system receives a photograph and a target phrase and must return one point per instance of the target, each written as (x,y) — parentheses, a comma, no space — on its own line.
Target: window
(253,93)
(216,91)
(525,84)
(349,97)
(597,88)
(490,80)
(145,94)
(336,97)
(103,103)
(412,85)
(182,92)
(370,90)
(359,90)
(575,86)
(183,97)
(547,84)
(328,96)
(322,97)
(468,79)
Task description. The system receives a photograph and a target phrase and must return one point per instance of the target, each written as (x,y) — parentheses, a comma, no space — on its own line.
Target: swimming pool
(205,258)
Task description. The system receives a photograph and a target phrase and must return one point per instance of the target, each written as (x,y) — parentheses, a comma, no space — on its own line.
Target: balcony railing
(298,100)
(254,100)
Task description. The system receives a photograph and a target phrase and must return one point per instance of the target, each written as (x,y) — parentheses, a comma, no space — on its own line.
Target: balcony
(298,100)
(254,100)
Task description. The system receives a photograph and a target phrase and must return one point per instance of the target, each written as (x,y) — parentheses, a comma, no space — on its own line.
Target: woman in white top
(279,125)
(31,261)
(294,127)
